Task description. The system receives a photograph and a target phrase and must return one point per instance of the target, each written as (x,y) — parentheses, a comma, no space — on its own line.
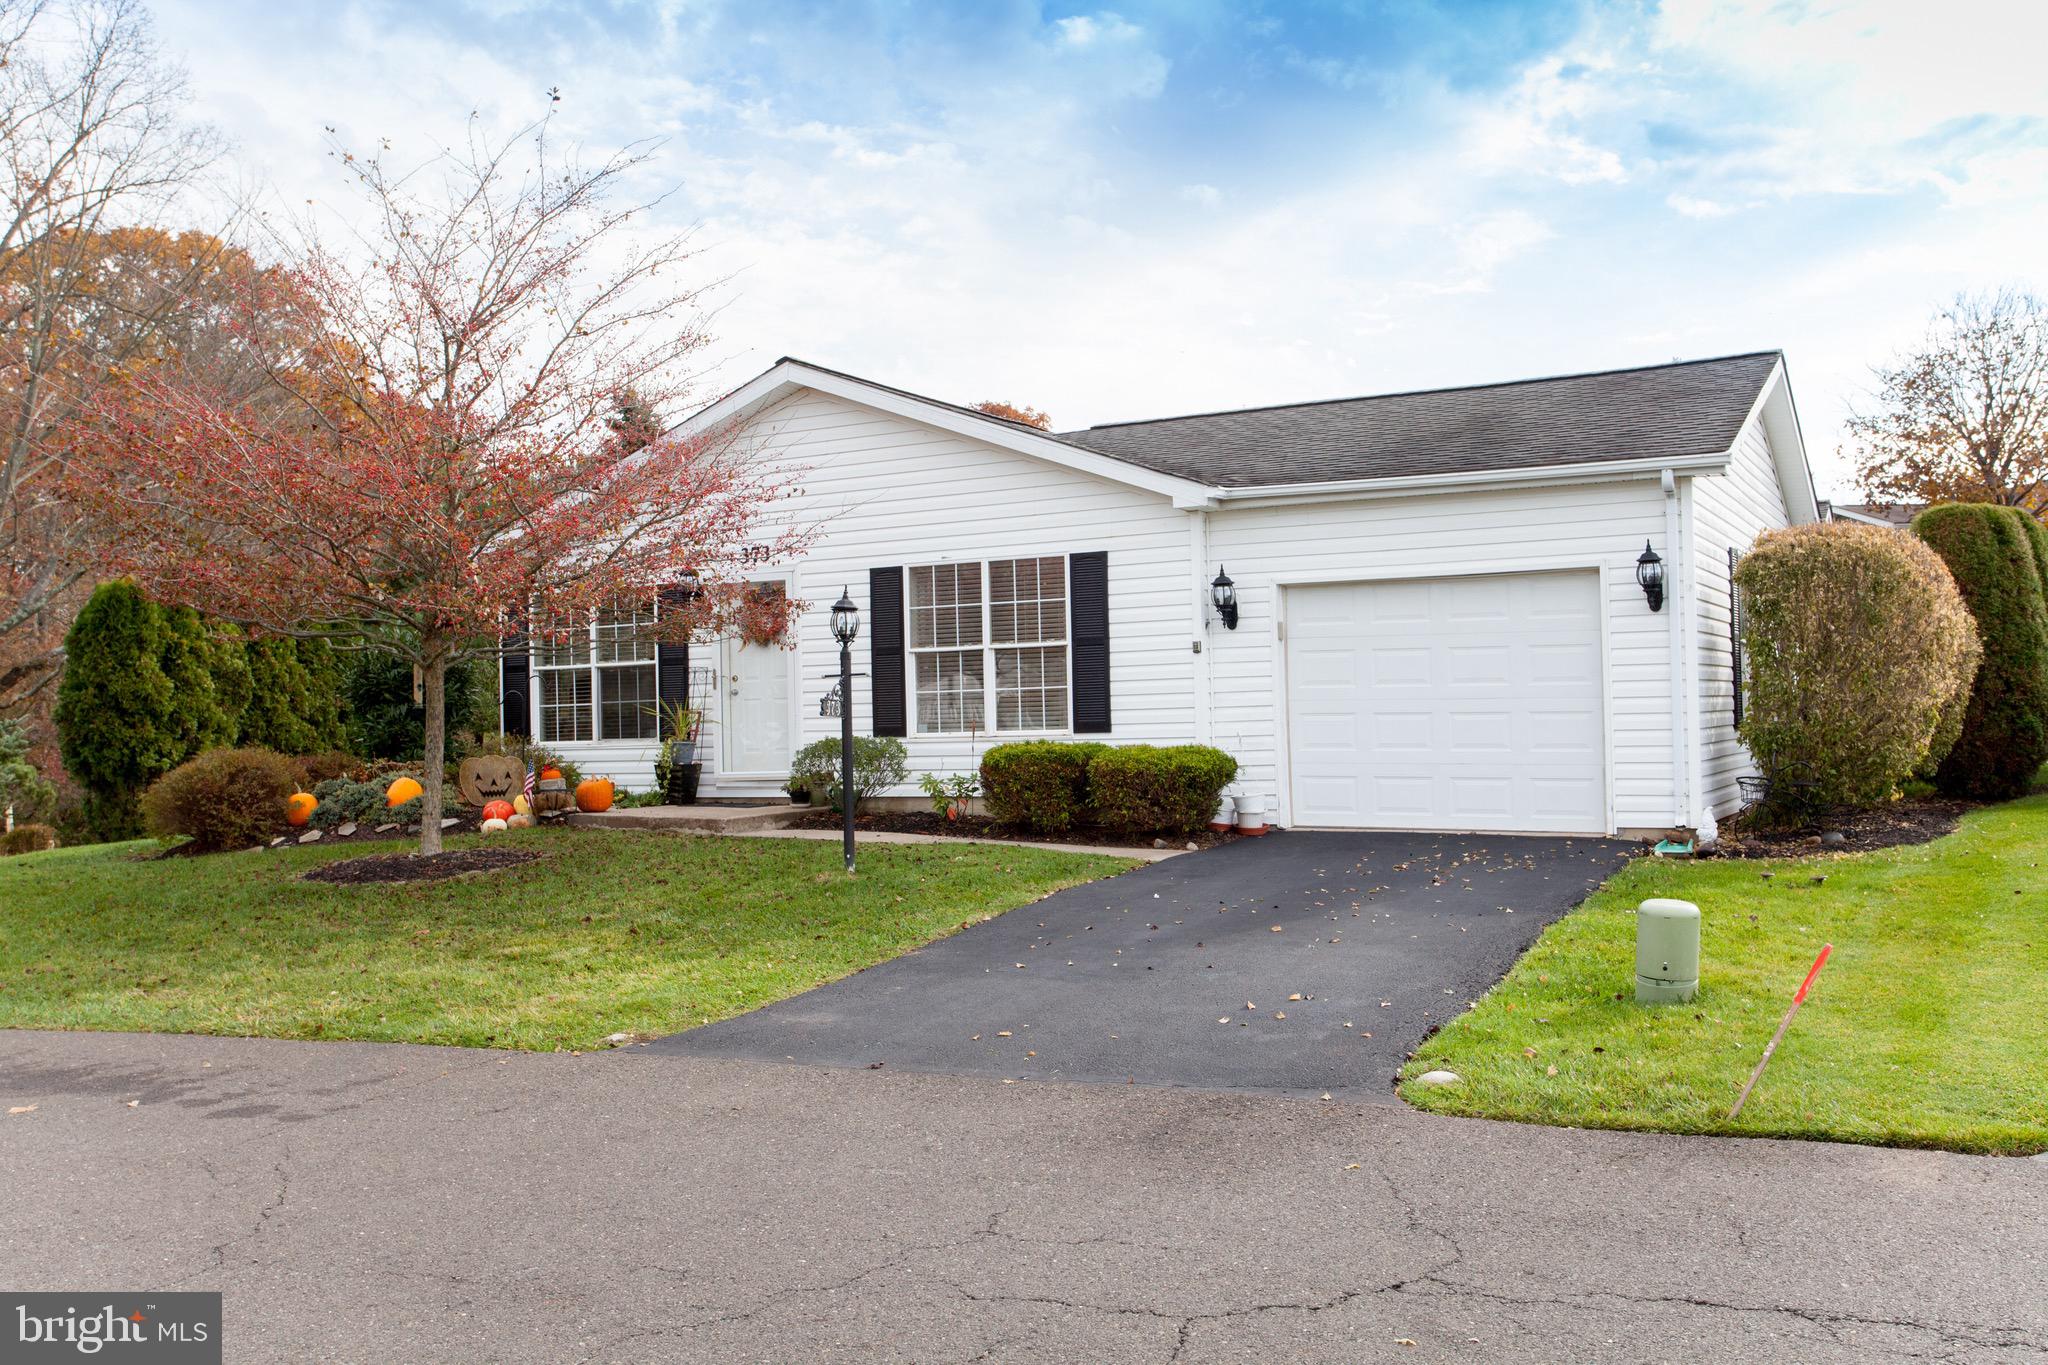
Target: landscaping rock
(346,830)
(311,836)
(1159,843)
(1192,846)
(1439,1078)
(449,822)
(1834,838)
(384,829)
(280,841)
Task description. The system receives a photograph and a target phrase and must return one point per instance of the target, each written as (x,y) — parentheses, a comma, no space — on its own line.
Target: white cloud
(1693,206)
(1207,196)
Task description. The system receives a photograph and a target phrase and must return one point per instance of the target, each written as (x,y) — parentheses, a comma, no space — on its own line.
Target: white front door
(1449,704)
(757,726)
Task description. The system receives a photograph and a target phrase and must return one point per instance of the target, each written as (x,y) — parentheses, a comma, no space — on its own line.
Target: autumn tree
(1965,417)
(446,474)
(1010,412)
(92,141)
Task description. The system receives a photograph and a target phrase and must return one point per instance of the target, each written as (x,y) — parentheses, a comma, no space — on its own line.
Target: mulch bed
(414,867)
(982,827)
(1917,820)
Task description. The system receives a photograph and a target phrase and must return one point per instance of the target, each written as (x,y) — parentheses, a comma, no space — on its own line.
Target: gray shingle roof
(1657,412)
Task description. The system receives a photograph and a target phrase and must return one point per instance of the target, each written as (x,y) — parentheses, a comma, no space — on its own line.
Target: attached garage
(1466,703)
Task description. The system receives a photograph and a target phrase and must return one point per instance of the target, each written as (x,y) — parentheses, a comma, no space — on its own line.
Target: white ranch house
(1439,620)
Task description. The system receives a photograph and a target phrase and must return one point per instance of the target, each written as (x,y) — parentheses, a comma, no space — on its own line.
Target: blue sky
(1152,208)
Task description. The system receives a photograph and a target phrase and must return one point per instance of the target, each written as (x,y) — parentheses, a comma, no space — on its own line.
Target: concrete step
(695,819)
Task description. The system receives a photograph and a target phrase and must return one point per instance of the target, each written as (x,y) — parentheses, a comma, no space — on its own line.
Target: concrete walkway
(773,821)
(358,1202)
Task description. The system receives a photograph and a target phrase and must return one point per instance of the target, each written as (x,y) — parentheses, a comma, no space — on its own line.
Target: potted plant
(678,768)
(799,788)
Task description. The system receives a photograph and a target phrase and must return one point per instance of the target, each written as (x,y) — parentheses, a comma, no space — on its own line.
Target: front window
(596,678)
(990,639)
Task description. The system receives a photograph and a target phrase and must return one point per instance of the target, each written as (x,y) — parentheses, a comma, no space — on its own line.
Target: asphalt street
(1300,963)
(361,1202)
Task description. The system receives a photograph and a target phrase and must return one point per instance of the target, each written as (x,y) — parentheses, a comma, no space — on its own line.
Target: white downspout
(1198,618)
(1676,597)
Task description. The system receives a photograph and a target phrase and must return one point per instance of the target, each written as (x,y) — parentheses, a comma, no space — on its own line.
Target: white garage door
(1450,703)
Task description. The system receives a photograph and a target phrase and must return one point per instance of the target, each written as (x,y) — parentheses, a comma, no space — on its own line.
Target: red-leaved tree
(456,448)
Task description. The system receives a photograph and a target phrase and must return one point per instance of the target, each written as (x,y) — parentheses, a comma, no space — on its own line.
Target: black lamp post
(846,625)
(1223,593)
(1650,576)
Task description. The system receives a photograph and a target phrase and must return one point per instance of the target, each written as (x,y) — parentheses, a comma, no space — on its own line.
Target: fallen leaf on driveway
(1295,996)
(1004,1034)
(23,1109)
(1278,927)
(1352,1167)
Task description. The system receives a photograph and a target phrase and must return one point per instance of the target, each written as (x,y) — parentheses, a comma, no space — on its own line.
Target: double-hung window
(989,639)
(596,679)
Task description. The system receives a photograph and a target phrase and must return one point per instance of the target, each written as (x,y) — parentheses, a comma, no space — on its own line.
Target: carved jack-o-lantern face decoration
(492,777)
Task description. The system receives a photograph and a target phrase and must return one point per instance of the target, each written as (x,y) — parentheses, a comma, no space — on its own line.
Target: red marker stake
(1783,1024)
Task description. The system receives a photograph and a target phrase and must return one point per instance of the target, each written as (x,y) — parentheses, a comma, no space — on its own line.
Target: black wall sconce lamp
(1223,593)
(1650,574)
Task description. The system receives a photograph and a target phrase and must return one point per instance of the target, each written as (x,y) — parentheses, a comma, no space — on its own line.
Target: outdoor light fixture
(846,625)
(1223,593)
(845,619)
(1650,574)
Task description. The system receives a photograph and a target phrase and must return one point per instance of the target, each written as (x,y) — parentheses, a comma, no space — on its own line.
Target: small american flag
(529,784)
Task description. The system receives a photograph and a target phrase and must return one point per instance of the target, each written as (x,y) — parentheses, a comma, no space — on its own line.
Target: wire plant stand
(1783,794)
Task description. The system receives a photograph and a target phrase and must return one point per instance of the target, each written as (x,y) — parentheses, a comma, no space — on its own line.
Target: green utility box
(1667,952)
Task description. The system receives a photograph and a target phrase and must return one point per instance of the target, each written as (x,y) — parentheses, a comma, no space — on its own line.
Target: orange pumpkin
(594,794)
(298,808)
(402,791)
(498,810)
(550,772)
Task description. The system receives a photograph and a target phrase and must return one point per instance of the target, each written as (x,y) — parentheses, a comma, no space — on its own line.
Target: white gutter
(1606,471)
(1198,617)
(1677,596)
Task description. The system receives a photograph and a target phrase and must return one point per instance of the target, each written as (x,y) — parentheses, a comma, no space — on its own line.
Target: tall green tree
(294,696)
(2004,739)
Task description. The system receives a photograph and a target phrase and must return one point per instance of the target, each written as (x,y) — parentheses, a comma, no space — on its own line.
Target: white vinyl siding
(1728,511)
(885,492)
(1598,526)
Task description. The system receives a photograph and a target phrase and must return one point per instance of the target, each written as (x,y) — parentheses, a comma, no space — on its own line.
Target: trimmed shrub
(30,838)
(1858,647)
(144,689)
(223,799)
(2004,737)
(1040,784)
(1139,789)
(294,696)
(878,764)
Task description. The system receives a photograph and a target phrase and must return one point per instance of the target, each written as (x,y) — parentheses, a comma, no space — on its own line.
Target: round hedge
(2004,738)
(1858,646)
(223,799)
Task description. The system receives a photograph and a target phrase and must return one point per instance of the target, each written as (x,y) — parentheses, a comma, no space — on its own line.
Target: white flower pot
(1225,816)
(1251,815)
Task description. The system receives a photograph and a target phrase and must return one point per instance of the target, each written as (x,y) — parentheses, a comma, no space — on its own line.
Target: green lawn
(610,932)
(1926,1028)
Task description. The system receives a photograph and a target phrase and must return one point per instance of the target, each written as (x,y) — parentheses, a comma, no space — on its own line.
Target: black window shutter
(1735,624)
(515,717)
(885,652)
(1088,611)
(672,661)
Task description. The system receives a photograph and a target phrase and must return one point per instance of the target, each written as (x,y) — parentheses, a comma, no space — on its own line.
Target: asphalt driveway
(1301,963)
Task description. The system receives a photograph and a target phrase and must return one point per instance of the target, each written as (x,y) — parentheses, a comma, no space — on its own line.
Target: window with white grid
(1027,613)
(989,639)
(596,679)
